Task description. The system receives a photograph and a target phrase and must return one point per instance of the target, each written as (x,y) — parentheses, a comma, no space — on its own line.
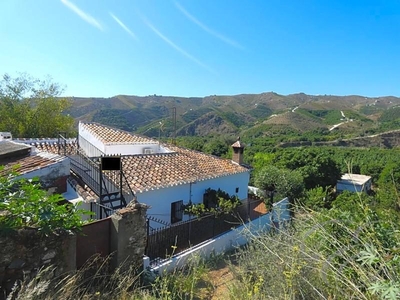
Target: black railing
(100,211)
(166,241)
(112,187)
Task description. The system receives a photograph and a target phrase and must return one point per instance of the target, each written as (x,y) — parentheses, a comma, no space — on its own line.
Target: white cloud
(84,16)
(124,27)
(176,47)
(207,29)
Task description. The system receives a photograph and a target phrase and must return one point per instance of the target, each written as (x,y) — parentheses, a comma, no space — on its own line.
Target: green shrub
(24,204)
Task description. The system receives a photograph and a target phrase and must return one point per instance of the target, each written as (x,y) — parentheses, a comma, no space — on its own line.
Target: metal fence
(166,241)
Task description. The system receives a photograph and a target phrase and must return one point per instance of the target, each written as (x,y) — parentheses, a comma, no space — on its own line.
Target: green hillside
(324,117)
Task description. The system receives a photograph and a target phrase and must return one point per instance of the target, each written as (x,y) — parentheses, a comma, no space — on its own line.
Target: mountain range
(251,115)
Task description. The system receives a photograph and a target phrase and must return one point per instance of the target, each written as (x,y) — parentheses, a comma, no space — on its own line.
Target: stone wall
(24,252)
(128,235)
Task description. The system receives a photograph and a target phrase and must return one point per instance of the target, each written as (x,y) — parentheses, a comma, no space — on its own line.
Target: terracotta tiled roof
(84,191)
(49,144)
(52,147)
(32,163)
(109,135)
(152,171)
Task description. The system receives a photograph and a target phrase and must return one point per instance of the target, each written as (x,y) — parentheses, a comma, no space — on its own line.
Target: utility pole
(174,120)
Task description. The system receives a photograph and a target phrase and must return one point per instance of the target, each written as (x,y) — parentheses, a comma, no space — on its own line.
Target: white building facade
(165,177)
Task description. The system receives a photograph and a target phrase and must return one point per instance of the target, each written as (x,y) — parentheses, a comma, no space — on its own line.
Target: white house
(165,176)
(51,169)
(354,183)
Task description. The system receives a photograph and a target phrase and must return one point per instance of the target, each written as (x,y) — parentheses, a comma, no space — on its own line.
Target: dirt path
(220,279)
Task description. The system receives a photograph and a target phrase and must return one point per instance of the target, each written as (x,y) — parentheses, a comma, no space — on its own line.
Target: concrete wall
(160,200)
(24,252)
(225,242)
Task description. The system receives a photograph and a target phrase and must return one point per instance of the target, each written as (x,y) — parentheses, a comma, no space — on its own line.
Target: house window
(237,190)
(176,211)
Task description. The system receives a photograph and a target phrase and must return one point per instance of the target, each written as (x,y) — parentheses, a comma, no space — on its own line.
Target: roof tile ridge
(122,131)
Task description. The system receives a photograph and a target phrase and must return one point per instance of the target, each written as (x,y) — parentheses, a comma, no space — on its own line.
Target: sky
(196,48)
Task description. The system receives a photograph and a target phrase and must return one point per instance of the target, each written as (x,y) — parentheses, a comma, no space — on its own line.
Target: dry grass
(329,255)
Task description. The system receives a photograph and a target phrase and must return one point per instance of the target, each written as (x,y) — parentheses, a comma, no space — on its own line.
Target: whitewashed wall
(87,135)
(160,200)
(131,149)
(340,187)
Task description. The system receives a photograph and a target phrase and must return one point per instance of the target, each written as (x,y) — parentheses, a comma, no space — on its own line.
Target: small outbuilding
(354,183)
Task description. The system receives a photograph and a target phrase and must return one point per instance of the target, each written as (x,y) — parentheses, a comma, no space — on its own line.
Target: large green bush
(23,204)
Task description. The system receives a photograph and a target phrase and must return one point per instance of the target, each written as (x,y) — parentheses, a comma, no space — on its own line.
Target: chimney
(237,155)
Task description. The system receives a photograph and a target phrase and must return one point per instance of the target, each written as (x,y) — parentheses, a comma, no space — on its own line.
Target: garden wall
(24,252)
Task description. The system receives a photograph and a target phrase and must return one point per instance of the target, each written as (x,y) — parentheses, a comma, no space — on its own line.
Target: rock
(49,255)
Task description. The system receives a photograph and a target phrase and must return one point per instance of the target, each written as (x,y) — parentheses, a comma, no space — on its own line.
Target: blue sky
(199,48)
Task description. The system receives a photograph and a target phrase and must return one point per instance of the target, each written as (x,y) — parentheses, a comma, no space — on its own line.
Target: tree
(317,166)
(216,146)
(31,107)
(23,204)
(318,198)
(282,182)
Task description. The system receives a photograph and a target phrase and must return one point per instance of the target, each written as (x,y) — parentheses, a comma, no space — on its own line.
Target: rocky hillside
(254,115)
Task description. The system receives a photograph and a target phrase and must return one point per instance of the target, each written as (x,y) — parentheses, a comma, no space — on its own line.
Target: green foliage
(234,118)
(329,117)
(24,205)
(194,114)
(316,166)
(283,182)
(113,117)
(192,142)
(322,256)
(390,174)
(216,146)
(351,114)
(30,108)
(218,202)
(260,112)
(318,198)
(315,115)
(390,115)
(261,160)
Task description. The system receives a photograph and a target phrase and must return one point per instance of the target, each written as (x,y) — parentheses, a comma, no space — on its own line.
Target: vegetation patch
(23,204)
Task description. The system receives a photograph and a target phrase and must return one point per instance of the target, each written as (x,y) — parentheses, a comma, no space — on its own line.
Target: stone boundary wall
(25,252)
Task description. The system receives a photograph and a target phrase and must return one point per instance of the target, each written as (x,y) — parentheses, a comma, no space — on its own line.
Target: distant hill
(252,115)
